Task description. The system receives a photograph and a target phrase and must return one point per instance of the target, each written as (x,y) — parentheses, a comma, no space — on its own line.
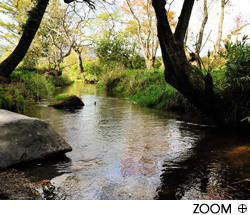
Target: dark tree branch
(29,31)
(184,20)
(189,81)
(90,3)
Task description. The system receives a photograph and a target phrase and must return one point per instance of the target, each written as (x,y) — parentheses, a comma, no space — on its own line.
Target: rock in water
(69,102)
(24,139)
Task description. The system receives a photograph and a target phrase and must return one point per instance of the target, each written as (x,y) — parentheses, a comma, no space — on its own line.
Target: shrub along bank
(25,88)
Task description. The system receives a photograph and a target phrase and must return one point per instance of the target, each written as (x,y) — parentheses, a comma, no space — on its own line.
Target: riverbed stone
(69,102)
(24,139)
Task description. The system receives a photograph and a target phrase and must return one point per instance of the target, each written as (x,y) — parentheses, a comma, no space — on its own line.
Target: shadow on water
(218,167)
(46,169)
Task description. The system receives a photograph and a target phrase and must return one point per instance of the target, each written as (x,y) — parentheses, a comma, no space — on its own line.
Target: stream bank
(124,151)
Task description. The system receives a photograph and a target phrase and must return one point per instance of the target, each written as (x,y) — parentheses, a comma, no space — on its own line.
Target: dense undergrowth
(26,88)
(145,87)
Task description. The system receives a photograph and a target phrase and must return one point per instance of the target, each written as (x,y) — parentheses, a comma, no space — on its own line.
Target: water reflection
(123,151)
(218,168)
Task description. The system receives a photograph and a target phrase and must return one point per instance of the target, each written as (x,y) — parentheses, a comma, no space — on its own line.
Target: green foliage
(62,80)
(7,100)
(91,72)
(92,68)
(27,88)
(138,62)
(29,62)
(35,85)
(237,70)
(115,48)
(61,96)
(233,81)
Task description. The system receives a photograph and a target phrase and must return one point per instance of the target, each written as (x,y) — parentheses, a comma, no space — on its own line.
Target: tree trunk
(81,70)
(189,81)
(217,46)
(79,60)
(58,68)
(33,22)
(150,63)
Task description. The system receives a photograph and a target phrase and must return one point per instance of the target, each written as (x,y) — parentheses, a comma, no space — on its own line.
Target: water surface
(124,151)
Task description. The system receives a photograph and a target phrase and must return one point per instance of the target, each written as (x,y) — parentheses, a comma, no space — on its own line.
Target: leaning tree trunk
(188,80)
(34,19)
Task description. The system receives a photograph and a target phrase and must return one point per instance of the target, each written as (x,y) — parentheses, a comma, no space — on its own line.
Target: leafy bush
(6,99)
(32,84)
(63,80)
(236,83)
(138,62)
(27,87)
(92,67)
(237,70)
(115,48)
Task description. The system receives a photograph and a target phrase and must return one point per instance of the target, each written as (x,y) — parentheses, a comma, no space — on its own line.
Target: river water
(124,151)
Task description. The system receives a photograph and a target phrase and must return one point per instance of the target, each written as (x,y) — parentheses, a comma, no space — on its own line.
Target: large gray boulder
(24,139)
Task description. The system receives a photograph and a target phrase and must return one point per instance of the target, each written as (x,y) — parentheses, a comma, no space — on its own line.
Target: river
(124,151)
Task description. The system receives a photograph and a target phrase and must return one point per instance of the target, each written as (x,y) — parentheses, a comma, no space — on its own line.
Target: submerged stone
(69,102)
(24,139)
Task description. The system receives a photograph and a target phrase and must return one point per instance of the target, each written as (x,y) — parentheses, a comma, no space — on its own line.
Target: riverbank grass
(146,87)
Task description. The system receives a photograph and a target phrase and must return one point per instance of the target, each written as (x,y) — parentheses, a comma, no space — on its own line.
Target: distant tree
(221,21)
(52,30)
(143,24)
(204,9)
(114,48)
(202,28)
(29,30)
(113,44)
(74,26)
